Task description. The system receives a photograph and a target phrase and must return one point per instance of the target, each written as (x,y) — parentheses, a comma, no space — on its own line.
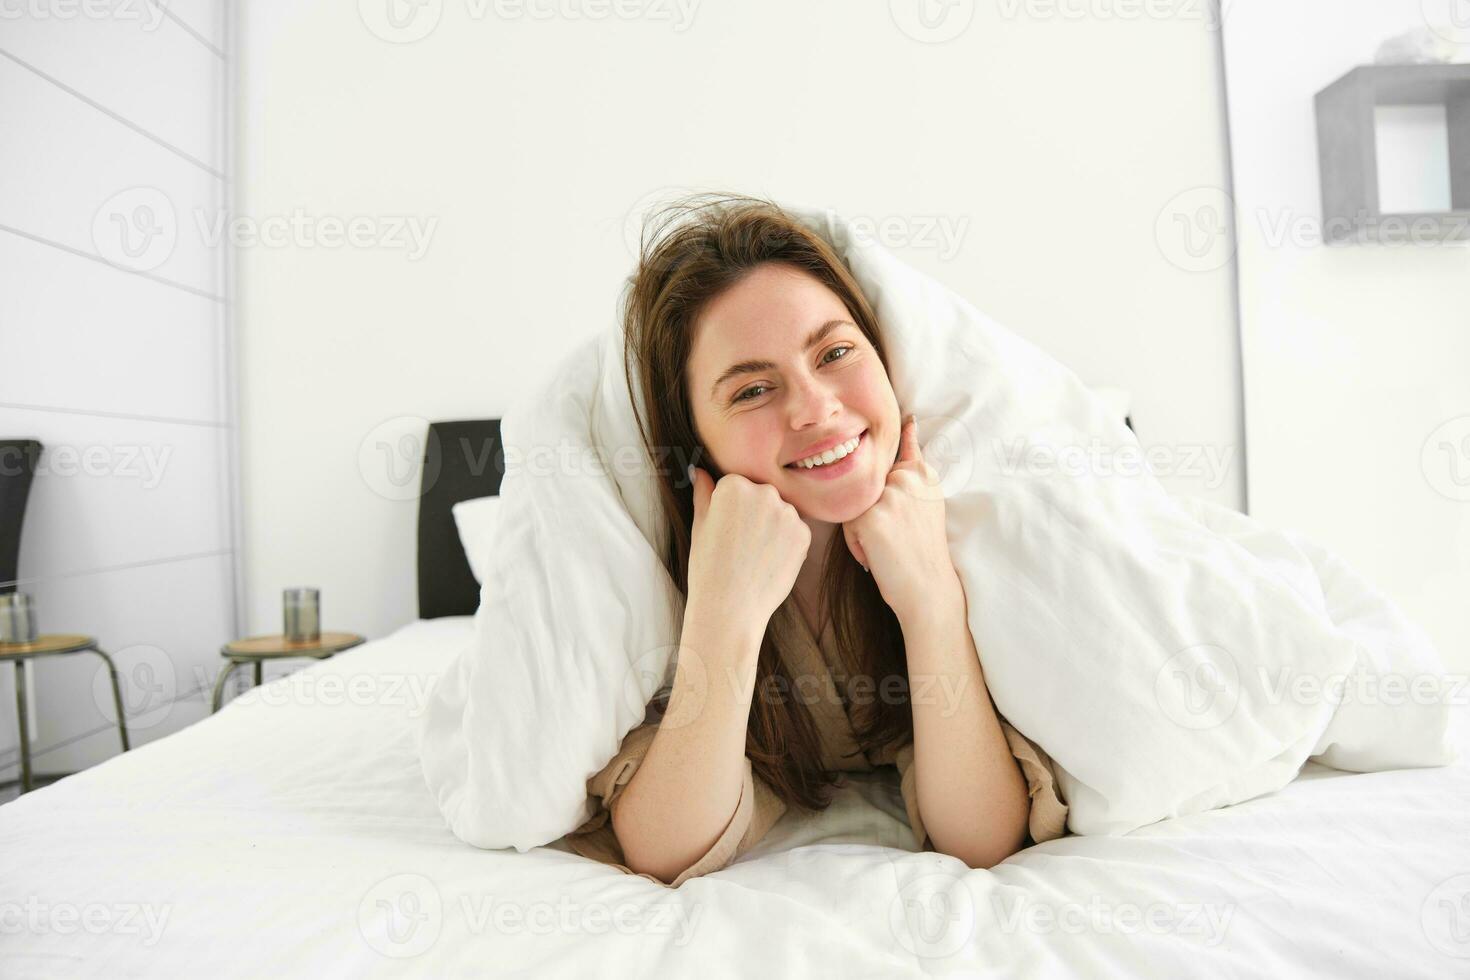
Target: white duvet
(1172,657)
(291,835)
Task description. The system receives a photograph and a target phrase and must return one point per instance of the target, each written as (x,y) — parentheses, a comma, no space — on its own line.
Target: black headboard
(462,460)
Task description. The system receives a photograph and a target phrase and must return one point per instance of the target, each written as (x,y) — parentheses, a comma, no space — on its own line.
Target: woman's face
(786,400)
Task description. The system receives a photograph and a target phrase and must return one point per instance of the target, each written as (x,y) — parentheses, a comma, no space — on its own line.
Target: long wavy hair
(690,252)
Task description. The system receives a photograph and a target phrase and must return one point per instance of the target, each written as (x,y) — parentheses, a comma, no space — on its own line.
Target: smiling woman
(765,363)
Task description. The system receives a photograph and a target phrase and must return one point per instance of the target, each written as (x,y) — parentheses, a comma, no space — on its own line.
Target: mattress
(292,834)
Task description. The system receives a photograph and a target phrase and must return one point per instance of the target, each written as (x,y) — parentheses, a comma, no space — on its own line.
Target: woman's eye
(826,359)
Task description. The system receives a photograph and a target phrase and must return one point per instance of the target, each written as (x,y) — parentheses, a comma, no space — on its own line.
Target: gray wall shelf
(1347,151)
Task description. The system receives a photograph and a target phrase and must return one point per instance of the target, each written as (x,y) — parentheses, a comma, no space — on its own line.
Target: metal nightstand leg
(117,701)
(219,683)
(25,728)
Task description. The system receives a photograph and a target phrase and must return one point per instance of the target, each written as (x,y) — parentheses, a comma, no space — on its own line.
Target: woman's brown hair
(699,247)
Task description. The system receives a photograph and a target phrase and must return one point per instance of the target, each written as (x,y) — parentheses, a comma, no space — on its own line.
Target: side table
(51,645)
(258,649)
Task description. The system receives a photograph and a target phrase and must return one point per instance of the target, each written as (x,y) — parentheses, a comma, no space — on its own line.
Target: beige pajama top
(759,807)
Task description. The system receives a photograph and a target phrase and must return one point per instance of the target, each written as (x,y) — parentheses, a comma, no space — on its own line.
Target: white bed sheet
(292,834)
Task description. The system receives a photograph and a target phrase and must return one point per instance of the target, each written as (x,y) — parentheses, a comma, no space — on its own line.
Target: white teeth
(832,455)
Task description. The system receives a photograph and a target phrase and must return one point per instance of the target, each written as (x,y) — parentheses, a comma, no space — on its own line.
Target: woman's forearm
(971,792)
(684,793)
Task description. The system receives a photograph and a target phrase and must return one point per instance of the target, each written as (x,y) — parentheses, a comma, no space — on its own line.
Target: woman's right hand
(748,544)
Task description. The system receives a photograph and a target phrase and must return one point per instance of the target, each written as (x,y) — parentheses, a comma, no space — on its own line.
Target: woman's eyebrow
(750,367)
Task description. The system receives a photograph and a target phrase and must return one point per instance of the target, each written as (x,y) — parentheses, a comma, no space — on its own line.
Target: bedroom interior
(288,685)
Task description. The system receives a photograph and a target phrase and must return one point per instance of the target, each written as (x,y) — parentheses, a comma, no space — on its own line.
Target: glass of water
(302,609)
(17,618)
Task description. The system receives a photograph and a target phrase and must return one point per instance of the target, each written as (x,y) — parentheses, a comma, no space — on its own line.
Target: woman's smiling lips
(833,470)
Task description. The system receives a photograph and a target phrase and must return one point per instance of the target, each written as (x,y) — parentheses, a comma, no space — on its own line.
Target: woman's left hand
(901,538)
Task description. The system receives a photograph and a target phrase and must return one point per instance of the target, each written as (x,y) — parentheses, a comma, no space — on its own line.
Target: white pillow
(1154,658)
(476,520)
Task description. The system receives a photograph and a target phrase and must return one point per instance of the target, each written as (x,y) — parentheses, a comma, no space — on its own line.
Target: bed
(292,834)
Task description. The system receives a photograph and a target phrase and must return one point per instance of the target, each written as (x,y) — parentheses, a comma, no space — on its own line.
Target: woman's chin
(836,504)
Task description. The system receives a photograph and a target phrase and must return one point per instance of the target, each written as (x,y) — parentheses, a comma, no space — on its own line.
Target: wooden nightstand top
(47,643)
(276,645)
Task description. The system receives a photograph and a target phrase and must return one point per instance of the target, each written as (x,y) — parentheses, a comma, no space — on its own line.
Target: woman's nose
(812,403)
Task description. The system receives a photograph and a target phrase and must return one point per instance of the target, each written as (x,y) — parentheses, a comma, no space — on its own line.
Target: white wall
(117,362)
(1056,144)
(1357,357)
